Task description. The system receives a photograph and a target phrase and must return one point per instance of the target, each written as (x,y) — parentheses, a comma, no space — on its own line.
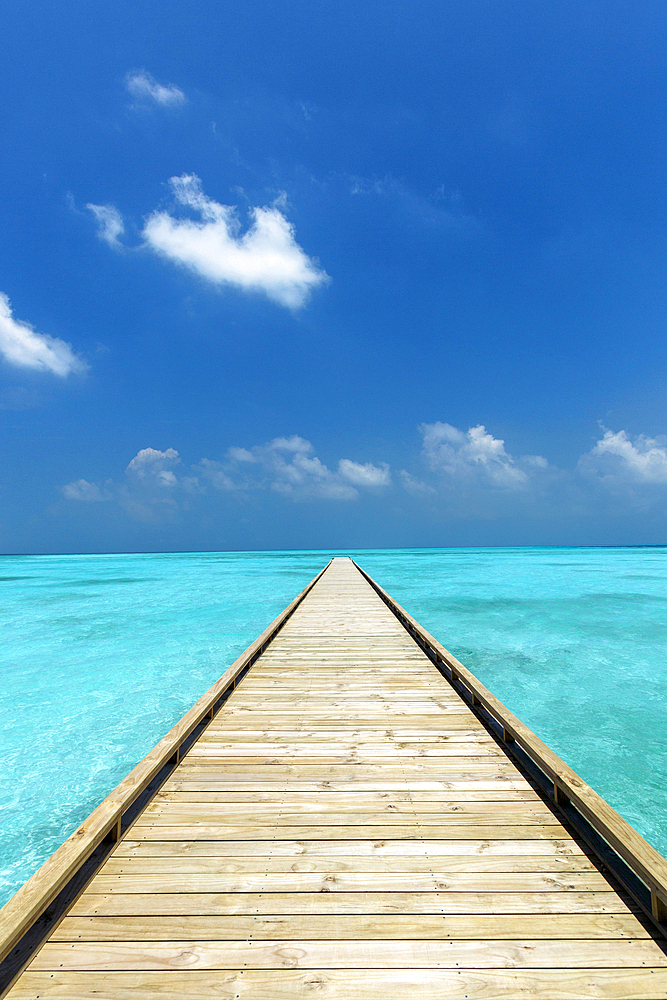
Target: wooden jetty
(348,813)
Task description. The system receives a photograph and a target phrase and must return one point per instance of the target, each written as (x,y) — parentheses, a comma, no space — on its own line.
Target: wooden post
(507,736)
(474,699)
(560,798)
(114,832)
(658,908)
(211,712)
(174,759)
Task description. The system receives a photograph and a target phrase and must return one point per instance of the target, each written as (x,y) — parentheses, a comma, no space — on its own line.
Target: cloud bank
(265,258)
(155,487)
(21,346)
(464,475)
(146,89)
(288,466)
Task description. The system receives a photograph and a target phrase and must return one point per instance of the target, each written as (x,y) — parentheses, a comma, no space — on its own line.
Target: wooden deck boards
(347,827)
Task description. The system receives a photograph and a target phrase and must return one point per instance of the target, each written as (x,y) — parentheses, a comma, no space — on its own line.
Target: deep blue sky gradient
(484,184)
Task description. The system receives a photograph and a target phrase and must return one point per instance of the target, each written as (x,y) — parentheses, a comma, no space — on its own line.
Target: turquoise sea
(101,654)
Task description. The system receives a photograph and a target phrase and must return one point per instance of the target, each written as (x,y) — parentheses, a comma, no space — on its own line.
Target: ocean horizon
(104,652)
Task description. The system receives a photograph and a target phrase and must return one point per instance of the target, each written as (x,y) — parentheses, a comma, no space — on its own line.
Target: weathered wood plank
(400,864)
(151,831)
(357,848)
(337,926)
(211,903)
(355,984)
(352,882)
(105,956)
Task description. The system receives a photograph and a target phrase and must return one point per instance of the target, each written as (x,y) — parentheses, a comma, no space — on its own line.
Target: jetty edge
(567,787)
(361,818)
(110,820)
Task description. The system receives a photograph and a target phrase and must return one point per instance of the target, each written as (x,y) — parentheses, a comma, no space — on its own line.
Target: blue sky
(332,275)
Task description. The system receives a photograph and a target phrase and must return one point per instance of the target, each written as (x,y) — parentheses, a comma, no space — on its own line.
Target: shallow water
(102,654)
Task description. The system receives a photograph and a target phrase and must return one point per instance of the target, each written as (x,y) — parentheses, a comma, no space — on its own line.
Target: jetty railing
(108,820)
(569,790)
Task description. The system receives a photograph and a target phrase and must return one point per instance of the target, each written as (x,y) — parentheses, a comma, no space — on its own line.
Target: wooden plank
(359,848)
(85,956)
(151,831)
(364,811)
(403,864)
(356,984)
(266,903)
(328,798)
(314,882)
(336,926)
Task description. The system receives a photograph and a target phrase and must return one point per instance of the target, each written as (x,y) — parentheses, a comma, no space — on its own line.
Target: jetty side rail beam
(637,853)
(29,902)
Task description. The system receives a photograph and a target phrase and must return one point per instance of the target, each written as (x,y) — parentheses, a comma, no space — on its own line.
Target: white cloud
(617,458)
(287,465)
(150,461)
(294,443)
(265,258)
(305,478)
(291,470)
(473,452)
(21,346)
(216,473)
(149,491)
(146,88)
(240,455)
(82,490)
(415,486)
(366,474)
(110,223)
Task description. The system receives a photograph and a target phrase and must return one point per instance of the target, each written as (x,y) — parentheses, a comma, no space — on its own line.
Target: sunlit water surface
(102,654)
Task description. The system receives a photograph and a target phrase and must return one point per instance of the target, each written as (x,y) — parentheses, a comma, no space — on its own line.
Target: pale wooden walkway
(347,828)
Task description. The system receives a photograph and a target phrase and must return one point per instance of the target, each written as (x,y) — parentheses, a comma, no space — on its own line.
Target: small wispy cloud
(415,486)
(109,222)
(146,89)
(22,346)
(365,474)
(265,258)
(83,491)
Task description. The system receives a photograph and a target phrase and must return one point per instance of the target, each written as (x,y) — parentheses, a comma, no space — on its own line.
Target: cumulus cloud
(83,491)
(617,458)
(150,461)
(152,491)
(22,346)
(265,258)
(146,89)
(364,474)
(155,489)
(287,465)
(109,222)
(462,454)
